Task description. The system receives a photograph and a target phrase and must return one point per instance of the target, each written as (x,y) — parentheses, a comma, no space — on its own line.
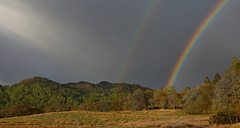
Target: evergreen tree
(235,63)
(216,78)
(185,90)
(207,81)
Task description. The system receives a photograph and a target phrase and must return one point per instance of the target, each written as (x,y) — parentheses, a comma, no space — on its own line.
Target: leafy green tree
(4,98)
(128,104)
(117,98)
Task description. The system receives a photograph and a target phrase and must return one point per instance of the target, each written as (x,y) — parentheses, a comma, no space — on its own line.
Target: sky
(91,40)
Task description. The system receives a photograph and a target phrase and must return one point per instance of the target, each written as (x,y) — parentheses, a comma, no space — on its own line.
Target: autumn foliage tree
(148,94)
(235,63)
(189,100)
(158,99)
(173,98)
(227,96)
(184,91)
(138,100)
(221,97)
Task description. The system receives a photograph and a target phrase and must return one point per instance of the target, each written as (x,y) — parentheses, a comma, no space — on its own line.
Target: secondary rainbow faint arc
(136,38)
(194,40)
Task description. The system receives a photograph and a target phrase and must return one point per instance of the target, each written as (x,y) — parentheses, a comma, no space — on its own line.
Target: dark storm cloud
(87,40)
(87,37)
(216,47)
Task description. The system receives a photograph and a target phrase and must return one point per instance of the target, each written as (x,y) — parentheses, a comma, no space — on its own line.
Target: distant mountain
(42,92)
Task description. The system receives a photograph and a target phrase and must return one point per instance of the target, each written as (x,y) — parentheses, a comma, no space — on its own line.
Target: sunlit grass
(152,118)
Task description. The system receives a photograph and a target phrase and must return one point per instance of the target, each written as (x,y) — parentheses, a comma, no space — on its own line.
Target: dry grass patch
(197,122)
(74,119)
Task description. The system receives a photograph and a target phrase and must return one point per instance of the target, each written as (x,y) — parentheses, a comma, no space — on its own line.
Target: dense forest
(51,96)
(219,97)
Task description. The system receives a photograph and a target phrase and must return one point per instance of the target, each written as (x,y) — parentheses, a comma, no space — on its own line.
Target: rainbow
(136,38)
(194,40)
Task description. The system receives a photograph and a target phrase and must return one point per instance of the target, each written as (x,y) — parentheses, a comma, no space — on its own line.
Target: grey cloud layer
(88,40)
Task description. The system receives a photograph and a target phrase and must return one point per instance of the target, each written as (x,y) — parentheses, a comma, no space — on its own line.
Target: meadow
(75,119)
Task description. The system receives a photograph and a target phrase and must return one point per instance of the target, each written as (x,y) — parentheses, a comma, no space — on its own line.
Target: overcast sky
(88,40)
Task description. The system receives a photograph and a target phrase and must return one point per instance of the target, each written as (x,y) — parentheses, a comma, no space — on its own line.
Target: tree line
(219,97)
(49,96)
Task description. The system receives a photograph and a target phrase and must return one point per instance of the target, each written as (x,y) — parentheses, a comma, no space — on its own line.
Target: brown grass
(78,119)
(181,122)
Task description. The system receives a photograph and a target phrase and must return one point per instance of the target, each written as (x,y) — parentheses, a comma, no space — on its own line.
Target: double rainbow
(193,40)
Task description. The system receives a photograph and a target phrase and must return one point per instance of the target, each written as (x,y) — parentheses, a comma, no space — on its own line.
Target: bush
(101,106)
(58,108)
(225,117)
(19,110)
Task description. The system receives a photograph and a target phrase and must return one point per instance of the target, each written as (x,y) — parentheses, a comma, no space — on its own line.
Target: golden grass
(76,119)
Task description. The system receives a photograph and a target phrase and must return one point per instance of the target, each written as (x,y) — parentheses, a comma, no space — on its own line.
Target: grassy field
(75,119)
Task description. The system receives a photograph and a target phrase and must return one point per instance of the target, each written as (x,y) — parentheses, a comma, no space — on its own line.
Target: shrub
(58,108)
(19,110)
(225,117)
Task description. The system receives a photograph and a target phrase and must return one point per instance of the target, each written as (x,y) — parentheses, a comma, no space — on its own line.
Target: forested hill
(219,97)
(52,96)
